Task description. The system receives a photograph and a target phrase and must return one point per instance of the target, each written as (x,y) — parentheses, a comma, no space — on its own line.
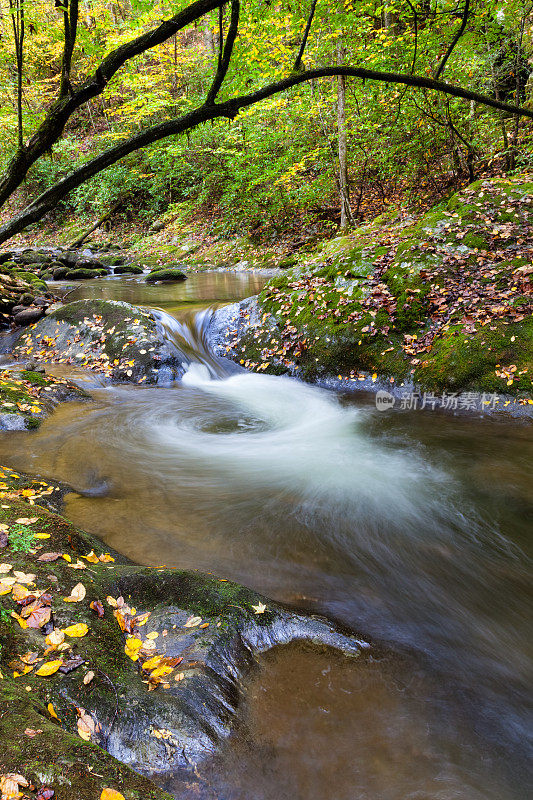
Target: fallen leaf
(56,637)
(49,668)
(45,793)
(9,785)
(32,733)
(192,622)
(260,608)
(19,592)
(39,615)
(152,662)
(76,594)
(26,520)
(88,677)
(52,711)
(5,567)
(111,794)
(49,557)
(78,565)
(79,629)
(132,647)
(72,664)
(97,607)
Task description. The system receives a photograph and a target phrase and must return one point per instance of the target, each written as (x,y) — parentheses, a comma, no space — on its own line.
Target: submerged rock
(156,659)
(124,342)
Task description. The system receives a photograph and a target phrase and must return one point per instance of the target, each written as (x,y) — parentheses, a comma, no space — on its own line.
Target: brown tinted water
(411,528)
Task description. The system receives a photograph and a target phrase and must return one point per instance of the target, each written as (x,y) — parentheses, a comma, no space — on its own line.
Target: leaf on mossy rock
(76,595)
(49,668)
(79,629)
(111,794)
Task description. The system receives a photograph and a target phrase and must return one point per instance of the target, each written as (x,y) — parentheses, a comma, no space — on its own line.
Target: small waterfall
(188,337)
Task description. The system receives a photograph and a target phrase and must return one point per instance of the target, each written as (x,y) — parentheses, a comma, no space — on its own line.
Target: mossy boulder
(444,300)
(167,652)
(28,397)
(166,275)
(83,274)
(111,260)
(34,280)
(128,269)
(124,342)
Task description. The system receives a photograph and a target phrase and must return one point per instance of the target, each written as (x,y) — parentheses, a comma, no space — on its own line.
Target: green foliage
(21,538)
(276,163)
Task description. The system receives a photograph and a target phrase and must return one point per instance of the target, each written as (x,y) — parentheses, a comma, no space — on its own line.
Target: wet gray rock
(29,315)
(122,341)
(12,422)
(184,721)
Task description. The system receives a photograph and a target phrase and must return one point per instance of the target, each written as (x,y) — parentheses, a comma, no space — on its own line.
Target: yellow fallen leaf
(41,535)
(105,557)
(91,557)
(132,647)
(22,622)
(152,662)
(152,635)
(260,608)
(79,629)
(52,711)
(160,671)
(49,668)
(67,557)
(111,794)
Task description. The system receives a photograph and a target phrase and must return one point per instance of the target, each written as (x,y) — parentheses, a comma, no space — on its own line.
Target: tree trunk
(79,241)
(344,186)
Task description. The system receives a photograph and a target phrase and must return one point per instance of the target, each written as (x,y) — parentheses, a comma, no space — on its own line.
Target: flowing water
(411,528)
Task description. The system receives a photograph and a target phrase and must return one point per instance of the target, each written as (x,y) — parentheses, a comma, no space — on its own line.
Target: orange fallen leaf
(111,794)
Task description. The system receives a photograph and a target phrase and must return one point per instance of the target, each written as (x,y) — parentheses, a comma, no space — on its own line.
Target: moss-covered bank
(27,397)
(444,301)
(146,664)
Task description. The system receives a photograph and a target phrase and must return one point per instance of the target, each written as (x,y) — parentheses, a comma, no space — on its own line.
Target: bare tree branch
(298,62)
(228,109)
(455,39)
(225,52)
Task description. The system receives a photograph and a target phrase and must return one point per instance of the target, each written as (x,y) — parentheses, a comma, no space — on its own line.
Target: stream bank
(443,303)
(146,663)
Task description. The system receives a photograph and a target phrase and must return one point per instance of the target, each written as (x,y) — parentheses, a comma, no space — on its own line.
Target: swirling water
(411,528)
